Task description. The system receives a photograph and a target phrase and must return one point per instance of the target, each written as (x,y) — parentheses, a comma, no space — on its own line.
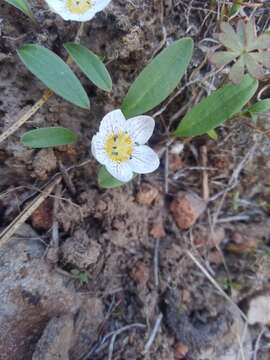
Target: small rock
(180,351)
(41,219)
(44,162)
(147,194)
(242,243)
(204,237)
(56,339)
(259,308)
(177,148)
(140,273)
(215,257)
(30,295)
(80,250)
(186,209)
(87,326)
(132,42)
(158,231)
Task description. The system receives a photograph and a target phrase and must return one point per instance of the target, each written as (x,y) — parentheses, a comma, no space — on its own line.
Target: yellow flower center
(78,6)
(119,147)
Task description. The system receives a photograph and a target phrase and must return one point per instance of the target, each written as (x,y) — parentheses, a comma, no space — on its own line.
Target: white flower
(120,145)
(78,10)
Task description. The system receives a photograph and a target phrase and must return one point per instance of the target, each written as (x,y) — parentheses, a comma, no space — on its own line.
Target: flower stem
(45,97)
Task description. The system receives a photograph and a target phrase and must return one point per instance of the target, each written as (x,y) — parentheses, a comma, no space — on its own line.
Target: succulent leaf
(262,57)
(222,58)
(229,37)
(250,34)
(247,49)
(255,69)
(241,33)
(261,43)
(237,72)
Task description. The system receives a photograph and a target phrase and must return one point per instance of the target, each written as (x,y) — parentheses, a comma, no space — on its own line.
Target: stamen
(119,147)
(78,6)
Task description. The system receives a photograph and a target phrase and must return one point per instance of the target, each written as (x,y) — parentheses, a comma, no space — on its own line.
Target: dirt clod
(175,162)
(158,231)
(80,250)
(204,238)
(44,162)
(147,194)
(186,209)
(140,273)
(41,219)
(180,351)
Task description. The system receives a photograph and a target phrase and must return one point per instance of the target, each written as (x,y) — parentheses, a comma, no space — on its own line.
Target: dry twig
(27,212)
(118,332)
(213,281)
(153,334)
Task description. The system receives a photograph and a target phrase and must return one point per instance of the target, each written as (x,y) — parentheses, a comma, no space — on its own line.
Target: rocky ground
(176,264)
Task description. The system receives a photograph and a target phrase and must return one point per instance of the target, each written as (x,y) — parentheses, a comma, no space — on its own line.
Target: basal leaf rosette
(249,51)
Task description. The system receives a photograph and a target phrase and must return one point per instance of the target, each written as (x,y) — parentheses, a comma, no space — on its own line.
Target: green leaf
(106,180)
(49,137)
(259,107)
(23,6)
(229,38)
(234,9)
(54,73)
(158,79)
(262,57)
(216,108)
(237,71)
(222,58)
(213,134)
(91,65)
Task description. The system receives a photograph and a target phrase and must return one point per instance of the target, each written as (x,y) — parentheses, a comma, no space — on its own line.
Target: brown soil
(122,261)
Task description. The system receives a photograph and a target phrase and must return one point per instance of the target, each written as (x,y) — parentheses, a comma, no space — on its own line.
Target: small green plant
(81,276)
(120,145)
(248,50)
(57,75)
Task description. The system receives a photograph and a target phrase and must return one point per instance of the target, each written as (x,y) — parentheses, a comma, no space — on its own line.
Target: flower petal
(98,149)
(99,5)
(56,5)
(140,128)
(88,15)
(144,160)
(59,7)
(120,171)
(113,123)
(237,71)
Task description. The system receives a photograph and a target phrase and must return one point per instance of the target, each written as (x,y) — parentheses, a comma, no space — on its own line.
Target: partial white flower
(77,10)
(120,145)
